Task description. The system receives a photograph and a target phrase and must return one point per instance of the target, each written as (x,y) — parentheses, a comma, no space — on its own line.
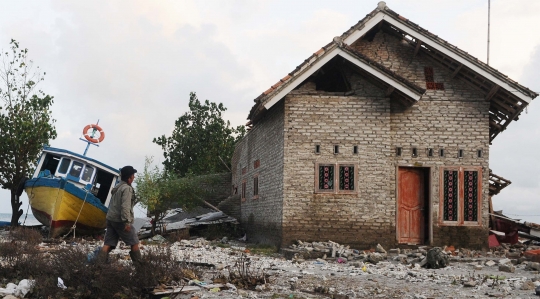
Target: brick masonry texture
(288,208)
(262,216)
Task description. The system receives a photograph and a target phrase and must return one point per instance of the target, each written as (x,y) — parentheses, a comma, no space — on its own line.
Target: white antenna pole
(489,8)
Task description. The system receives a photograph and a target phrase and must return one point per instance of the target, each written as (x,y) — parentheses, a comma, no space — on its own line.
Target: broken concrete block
(379,249)
(470,283)
(490,263)
(478,267)
(533,266)
(375,257)
(504,261)
(393,251)
(507,268)
(528,286)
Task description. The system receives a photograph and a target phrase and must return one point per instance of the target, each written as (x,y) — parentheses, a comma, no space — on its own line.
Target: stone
(379,249)
(470,283)
(528,286)
(513,255)
(504,261)
(393,251)
(375,257)
(490,263)
(436,258)
(507,268)
(478,267)
(533,266)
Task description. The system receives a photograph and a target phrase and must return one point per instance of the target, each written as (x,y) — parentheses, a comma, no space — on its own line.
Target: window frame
(336,189)
(244,190)
(256,186)
(461,196)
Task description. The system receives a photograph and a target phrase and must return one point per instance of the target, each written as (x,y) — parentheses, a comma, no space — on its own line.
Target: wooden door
(411,203)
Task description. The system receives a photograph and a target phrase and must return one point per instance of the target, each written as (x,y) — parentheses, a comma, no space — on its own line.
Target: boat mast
(88,142)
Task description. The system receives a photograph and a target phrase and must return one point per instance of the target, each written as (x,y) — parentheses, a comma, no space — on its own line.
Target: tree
(25,121)
(202,142)
(159,190)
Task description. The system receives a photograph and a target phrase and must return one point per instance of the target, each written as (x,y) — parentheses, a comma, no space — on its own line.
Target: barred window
(346,177)
(326,177)
(461,195)
(335,178)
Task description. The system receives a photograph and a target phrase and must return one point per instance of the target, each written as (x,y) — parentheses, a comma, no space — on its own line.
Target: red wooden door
(411,205)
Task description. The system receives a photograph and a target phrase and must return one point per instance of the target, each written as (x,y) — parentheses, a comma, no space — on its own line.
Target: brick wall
(454,118)
(288,208)
(262,215)
(218,186)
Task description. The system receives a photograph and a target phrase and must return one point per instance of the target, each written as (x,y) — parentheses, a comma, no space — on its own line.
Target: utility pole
(489,8)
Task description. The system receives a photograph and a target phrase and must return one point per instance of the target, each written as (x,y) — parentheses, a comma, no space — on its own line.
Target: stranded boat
(72,191)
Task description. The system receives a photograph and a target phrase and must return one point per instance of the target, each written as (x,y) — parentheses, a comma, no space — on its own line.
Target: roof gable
(507,97)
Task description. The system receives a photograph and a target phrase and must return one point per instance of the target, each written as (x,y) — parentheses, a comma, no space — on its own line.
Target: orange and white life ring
(90,138)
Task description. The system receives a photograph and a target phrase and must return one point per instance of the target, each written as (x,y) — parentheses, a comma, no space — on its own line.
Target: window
(398,151)
(336,149)
(346,178)
(335,178)
(430,152)
(256,164)
(326,177)
(87,173)
(461,195)
(355,149)
(479,153)
(64,165)
(256,187)
(460,153)
(441,152)
(414,152)
(76,169)
(243,190)
(317,149)
(430,79)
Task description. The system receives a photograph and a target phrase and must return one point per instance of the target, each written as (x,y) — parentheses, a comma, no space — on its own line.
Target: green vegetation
(201,142)
(25,121)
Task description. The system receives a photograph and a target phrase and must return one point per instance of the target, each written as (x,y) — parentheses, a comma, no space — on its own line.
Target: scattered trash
(61,283)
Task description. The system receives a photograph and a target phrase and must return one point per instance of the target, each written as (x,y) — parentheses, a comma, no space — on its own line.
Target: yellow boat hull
(60,205)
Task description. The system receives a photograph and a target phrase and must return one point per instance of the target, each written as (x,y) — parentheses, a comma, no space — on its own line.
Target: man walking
(120,217)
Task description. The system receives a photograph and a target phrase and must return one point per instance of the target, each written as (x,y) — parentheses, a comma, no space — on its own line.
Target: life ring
(89,138)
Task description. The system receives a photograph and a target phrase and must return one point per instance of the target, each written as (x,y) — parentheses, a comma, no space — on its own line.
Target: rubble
(351,273)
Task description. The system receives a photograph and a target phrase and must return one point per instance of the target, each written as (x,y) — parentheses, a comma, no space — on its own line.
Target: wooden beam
(417,48)
(492,92)
(389,91)
(456,71)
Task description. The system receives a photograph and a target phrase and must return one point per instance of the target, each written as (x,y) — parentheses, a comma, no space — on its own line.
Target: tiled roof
(266,95)
(442,42)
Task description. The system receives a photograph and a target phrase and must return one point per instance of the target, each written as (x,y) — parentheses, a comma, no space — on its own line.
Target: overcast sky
(132,64)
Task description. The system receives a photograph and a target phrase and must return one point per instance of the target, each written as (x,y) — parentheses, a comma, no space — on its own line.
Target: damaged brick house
(381,136)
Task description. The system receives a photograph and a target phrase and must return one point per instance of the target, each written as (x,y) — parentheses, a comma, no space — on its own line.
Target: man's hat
(127,171)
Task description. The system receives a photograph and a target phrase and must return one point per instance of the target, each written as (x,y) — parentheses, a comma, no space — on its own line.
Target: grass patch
(263,249)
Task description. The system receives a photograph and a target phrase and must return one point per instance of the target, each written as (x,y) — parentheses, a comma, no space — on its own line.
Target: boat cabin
(82,171)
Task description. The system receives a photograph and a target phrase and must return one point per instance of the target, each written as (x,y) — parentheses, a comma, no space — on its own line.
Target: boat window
(87,173)
(76,169)
(64,165)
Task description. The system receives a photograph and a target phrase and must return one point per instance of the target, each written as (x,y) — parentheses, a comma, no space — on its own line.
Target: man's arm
(125,214)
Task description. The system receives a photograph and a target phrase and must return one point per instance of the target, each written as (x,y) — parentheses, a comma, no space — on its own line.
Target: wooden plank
(492,92)
(456,71)
(389,91)
(417,48)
